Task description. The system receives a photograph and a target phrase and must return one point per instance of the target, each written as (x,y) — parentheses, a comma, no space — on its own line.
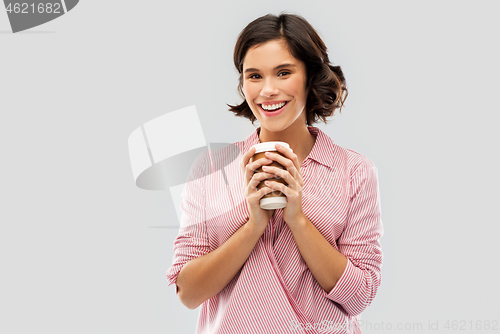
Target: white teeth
(273,106)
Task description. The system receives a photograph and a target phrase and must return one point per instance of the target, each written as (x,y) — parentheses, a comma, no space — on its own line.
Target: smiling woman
(315,261)
(326,85)
(274,78)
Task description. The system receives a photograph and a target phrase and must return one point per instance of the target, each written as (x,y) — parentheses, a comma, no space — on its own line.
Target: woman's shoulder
(233,148)
(219,155)
(337,155)
(223,154)
(356,159)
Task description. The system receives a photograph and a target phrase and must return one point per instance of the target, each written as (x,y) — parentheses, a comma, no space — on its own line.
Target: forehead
(268,55)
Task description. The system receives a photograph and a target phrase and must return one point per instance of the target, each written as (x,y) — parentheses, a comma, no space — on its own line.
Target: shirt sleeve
(192,240)
(360,243)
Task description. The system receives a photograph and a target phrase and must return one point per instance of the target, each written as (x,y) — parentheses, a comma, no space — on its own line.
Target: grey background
(82,248)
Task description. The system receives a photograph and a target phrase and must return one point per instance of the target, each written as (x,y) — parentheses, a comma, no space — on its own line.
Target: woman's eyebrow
(274,69)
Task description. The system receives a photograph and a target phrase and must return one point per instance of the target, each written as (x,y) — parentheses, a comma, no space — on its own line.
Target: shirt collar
(323,151)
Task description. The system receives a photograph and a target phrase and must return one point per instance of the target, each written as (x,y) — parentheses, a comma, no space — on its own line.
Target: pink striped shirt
(274,291)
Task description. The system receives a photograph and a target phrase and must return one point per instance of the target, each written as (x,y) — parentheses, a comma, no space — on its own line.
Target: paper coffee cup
(276,199)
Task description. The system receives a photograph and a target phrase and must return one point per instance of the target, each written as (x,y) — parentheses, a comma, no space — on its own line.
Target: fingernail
(278,146)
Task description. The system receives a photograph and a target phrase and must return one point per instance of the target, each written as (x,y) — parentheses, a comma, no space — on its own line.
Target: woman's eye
(257,76)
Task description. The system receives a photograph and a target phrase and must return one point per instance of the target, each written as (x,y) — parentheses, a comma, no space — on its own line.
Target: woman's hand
(292,176)
(259,217)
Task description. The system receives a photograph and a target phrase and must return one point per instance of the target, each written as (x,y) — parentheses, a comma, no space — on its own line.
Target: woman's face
(273,77)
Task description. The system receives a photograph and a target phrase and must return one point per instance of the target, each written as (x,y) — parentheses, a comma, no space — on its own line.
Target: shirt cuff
(347,285)
(172,275)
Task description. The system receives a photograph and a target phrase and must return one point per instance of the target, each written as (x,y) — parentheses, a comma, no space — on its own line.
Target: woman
(313,266)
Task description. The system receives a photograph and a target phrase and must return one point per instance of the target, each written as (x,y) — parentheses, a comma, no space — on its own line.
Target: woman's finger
(284,161)
(252,167)
(259,177)
(290,162)
(289,154)
(282,173)
(280,187)
(289,167)
(255,196)
(246,158)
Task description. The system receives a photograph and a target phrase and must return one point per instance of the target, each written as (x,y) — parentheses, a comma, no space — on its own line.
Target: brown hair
(326,84)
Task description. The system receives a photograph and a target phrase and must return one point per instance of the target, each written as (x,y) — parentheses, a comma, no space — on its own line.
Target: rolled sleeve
(347,285)
(192,240)
(360,243)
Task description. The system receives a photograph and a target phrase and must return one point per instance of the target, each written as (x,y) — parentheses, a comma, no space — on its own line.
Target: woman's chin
(273,127)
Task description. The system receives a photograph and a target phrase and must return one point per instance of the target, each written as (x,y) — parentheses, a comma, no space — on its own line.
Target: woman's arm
(204,277)
(351,275)
(360,243)
(199,273)
(325,262)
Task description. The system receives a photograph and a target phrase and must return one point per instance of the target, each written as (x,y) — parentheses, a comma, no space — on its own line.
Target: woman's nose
(269,89)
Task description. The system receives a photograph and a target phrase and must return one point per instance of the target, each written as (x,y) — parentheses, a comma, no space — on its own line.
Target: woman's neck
(300,140)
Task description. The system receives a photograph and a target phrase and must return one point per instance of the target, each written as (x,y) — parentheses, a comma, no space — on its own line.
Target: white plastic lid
(269,146)
(272,203)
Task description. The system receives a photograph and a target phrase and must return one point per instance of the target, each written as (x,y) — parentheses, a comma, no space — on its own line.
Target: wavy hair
(326,84)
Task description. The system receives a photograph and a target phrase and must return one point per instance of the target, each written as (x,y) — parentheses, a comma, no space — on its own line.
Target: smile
(273,109)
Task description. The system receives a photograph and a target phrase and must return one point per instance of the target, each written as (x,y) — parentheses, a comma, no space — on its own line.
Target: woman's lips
(273,112)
